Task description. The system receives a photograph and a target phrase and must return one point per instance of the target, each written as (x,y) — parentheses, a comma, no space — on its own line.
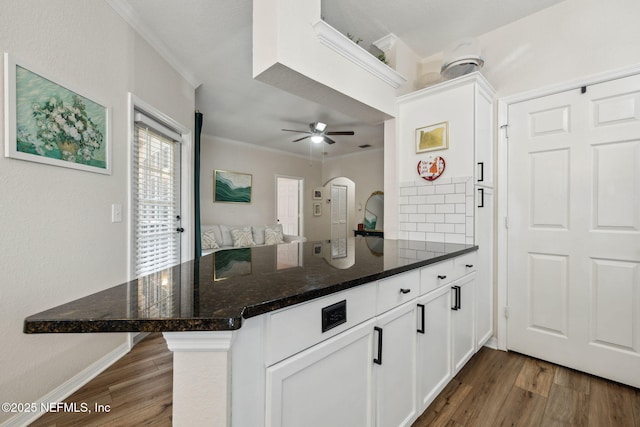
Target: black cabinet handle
(469,265)
(481,178)
(404,290)
(456,299)
(378,360)
(481,191)
(442,277)
(180,230)
(459,298)
(421,330)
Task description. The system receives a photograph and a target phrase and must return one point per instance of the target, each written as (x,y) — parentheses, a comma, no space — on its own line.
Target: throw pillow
(227,240)
(273,235)
(258,235)
(242,237)
(209,240)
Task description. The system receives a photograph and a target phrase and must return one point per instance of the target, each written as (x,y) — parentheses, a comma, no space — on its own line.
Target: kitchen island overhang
(200,306)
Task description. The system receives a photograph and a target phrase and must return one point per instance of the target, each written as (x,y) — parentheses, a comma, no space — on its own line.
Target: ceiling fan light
(317,139)
(320,127)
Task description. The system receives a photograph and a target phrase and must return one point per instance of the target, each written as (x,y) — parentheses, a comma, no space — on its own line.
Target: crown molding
(386,43)
(124,9)
(341,44)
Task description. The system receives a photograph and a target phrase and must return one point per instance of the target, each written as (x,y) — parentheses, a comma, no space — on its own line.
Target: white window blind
(156,198)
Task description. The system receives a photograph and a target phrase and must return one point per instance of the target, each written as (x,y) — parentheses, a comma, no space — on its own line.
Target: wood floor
(494,389)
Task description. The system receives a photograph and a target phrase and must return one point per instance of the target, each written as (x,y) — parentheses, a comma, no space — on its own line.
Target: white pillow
(209,240)
(273,235)
(225,230)
(258,235)
(242,237)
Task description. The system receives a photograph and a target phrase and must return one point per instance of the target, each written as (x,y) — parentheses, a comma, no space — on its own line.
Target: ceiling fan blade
(349,132)
(328,140)
(300,139)
(297,131)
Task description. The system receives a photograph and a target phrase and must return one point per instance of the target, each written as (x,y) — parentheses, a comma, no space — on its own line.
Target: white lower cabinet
(384,371)
(433,344)
(463,320)
(395,367)
(329,384)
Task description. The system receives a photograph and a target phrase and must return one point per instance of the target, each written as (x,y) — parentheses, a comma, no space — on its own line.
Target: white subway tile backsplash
(426,226)
(408,191)
(435,218)
(445,228)
(427,209)
(417,217)
(435,237)
(408,209)
(435,199)
(455,218)
(440,211)
(447,208)
(454,198)
(417,200)
(426,190)
(445,189)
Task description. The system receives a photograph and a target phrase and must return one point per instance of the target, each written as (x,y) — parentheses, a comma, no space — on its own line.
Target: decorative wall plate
(431,168)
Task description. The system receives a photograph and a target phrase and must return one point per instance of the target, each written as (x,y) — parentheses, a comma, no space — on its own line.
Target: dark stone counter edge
(33,325)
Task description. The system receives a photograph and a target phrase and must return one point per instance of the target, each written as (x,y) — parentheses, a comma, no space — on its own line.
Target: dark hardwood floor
(494,389)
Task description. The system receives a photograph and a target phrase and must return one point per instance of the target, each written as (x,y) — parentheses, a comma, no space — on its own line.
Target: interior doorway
(288,206)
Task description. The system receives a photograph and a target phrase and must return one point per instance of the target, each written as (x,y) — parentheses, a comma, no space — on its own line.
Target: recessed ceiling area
(210,43)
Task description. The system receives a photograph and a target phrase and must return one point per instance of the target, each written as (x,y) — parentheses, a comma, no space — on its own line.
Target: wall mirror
(374,212)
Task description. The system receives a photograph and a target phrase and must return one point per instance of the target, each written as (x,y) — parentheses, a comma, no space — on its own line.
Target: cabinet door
(327,385)
(463,320)
(483,137)
(434,354)
(396,374)
(484,278)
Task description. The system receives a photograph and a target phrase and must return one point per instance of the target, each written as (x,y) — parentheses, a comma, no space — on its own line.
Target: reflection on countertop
(217,291)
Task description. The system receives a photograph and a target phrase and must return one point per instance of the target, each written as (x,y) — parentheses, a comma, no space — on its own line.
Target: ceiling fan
(317,132)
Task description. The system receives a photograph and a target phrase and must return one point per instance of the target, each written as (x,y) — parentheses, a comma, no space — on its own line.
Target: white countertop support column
(201,378)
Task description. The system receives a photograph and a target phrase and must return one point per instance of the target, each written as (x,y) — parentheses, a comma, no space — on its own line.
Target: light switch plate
(116,212)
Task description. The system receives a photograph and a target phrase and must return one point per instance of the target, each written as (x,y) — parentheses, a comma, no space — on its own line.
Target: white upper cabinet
(465,104)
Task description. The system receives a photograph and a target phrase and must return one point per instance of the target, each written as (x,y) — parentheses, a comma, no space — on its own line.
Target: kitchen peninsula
(245,322)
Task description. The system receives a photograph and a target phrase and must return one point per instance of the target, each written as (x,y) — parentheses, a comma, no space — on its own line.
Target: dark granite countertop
(218,290)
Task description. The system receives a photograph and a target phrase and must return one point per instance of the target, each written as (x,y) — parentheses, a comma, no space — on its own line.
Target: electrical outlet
(116,212)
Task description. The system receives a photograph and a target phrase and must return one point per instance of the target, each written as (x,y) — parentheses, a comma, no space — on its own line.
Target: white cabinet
(484,265)
(462,320)
(433,344)
(395,367)
(466,104)
(327,385)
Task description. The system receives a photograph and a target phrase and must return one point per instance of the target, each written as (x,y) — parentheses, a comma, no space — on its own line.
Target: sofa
(216,237)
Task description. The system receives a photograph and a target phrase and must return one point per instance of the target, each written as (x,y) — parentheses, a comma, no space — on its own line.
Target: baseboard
(492,343)
(67,388)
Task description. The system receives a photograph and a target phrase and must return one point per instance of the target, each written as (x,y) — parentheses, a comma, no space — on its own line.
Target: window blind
(156,199)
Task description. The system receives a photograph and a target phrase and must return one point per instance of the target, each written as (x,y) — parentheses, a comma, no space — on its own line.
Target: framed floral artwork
(48,122)
(432,137)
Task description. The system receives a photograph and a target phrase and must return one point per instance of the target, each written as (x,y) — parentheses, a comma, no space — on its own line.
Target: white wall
(58,242)
(264,165)
(561,43)
(365,169)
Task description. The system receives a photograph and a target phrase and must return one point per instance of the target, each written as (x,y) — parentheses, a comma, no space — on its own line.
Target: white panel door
(288,204)
(574,229)
(338,221)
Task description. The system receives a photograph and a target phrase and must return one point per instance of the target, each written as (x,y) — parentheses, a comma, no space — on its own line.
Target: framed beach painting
(231,187)
(432,137)
(49,122)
